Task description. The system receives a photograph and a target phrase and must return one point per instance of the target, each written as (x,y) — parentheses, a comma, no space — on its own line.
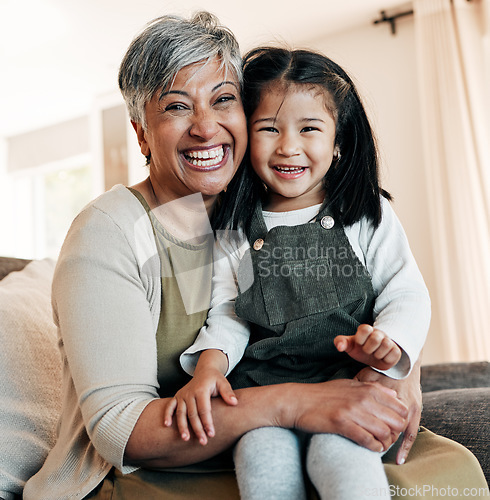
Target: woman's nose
(204,125)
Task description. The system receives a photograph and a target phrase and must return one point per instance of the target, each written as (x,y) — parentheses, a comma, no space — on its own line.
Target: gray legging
(269,464)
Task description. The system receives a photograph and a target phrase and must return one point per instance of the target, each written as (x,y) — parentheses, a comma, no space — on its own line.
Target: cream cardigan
(106,304)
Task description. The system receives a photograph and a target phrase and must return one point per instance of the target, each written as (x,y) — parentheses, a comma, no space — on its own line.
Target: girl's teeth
(289,169)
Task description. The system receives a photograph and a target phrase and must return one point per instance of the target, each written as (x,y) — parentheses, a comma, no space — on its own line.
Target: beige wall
(384,68)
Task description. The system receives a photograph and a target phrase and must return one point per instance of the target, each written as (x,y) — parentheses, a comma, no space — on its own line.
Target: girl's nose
(288,146)
(204,125)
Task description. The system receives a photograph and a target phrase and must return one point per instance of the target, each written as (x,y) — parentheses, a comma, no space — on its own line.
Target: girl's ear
(336,153)
(141,135)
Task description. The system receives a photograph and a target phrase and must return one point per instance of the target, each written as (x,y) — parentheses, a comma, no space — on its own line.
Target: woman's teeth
(206,157)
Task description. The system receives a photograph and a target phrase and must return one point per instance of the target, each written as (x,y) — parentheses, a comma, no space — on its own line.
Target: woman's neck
(186,218)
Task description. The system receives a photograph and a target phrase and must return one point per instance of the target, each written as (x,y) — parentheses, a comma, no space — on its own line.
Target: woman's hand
(365,412)
(409,392)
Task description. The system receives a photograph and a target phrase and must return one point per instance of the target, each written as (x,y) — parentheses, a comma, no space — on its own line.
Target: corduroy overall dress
(308,287)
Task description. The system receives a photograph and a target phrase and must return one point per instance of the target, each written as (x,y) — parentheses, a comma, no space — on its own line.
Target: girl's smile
(292,142)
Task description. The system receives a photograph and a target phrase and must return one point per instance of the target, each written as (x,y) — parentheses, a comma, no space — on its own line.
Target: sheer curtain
(453,52)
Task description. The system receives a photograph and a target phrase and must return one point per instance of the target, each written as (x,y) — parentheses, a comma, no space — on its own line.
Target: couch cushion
(462,415)
(30,374)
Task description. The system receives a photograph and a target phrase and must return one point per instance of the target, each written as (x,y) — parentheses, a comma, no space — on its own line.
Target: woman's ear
(141,135)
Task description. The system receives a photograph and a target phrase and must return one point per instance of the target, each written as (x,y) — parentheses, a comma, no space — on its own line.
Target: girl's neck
(275,203)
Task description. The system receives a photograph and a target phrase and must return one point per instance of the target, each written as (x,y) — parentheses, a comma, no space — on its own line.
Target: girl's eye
(268,129)
(309,129)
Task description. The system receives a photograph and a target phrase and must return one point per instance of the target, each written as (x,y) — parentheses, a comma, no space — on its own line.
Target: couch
(455,395)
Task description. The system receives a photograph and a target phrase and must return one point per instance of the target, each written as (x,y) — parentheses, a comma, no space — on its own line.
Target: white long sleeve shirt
(402,306)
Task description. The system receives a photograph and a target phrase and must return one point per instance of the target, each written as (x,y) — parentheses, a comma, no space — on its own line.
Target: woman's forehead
(206,72)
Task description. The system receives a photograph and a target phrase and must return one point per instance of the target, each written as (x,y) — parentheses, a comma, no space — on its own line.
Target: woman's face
(196,132)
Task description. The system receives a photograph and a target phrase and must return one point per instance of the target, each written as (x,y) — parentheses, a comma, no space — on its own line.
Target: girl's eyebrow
(260,120)
(273,119)
(312,120)
(214,89)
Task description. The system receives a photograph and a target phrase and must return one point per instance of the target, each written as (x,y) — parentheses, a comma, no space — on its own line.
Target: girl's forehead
(280,90)
(285,88)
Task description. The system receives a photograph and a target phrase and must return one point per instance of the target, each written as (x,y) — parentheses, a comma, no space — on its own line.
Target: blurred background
(422,67)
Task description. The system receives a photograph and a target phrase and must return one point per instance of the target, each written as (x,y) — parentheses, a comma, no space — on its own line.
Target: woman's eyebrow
(214,89)
(178,92)
(227,82)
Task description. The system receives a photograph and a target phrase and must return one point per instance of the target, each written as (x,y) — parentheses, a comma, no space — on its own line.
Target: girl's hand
(371,347)
(409,392)
(192,404)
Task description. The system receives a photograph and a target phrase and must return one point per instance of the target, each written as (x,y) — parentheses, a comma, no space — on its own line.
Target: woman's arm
(364,412)
(101,304)
(409,392)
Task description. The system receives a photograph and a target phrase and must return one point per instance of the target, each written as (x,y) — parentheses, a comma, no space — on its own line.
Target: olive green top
(186,270)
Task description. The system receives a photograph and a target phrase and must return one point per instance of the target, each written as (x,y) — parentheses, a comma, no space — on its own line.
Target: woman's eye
(176,107)
(225,99)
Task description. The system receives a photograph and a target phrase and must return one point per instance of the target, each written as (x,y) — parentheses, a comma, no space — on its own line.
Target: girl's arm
(402,307)
(223,330)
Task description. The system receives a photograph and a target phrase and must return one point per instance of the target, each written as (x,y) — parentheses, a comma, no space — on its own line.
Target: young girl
(326,280)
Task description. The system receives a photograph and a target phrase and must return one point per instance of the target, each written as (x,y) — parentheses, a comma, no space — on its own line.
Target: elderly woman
(132,287)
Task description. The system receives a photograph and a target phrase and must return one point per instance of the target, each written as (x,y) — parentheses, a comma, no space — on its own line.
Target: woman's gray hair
(164,47)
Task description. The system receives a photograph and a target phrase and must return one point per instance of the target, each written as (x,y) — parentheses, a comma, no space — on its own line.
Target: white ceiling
(57,55)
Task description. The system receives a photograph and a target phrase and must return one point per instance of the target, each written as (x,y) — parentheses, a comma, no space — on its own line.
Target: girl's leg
(342,470)
(268,465)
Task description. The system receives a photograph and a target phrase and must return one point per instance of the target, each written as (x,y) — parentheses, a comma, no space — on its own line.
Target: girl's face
(291,137)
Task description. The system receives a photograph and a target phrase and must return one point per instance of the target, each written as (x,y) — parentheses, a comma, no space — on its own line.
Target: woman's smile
(207,159)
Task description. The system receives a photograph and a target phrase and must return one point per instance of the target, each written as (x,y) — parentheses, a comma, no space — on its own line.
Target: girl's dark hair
(352,182)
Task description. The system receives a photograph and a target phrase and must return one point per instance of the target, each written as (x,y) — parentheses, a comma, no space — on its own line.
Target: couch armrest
(455,376)
(10,264)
